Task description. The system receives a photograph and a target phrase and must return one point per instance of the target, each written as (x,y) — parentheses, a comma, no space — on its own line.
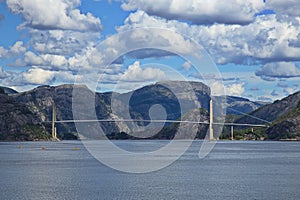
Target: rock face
(17,122)
(271,112)
(287,126)
(40,99)
(239,105)
(169,100)
(283,117)
(7,90)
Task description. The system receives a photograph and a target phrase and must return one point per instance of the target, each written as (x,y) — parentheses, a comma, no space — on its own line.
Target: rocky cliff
(169,100)
(17,122)
(282,116)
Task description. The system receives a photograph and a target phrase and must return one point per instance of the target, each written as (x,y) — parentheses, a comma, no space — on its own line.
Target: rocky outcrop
(169,100)
(40,100)
(287,126)
(17,122)
(271,112)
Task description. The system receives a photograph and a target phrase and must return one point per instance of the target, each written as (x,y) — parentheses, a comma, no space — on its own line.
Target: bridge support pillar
(231,137)
(54,134)
(211,118)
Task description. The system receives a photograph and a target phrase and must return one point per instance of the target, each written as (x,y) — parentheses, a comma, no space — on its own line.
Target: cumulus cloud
(60,14)
(64,42)
(236,89)
(279,70)
(287,7)
(135,73)
(199,12)
(38,76)
(2,73)
(17,48)
(187,66)
(3,52)
(267,39)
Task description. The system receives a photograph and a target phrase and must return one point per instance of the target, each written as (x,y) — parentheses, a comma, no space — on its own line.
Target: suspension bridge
(211,122)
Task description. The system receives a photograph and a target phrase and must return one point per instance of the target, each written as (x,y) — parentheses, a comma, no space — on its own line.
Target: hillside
(40,99)
(173,98)
(271,112)
(7,90)
(287,126)
(282,116)
(17,122)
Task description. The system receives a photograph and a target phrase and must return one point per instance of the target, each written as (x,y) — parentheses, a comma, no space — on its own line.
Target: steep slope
(7,90)
(40,99)
(173,97)
(239,105)
(169,100)
(287,126)
(17,122)
(272,111)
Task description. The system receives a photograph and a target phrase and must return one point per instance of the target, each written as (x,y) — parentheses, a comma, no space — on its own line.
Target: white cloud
(61,42)
(17,48)
(58,14)
(279,70)
(290,90)
(3,52)
(135,73)
(164,41)
(2,73)
(200,12)
(38,76)
(236,89)
(187,66)
(217,89)
(32,59)
(287,7)
(267,39)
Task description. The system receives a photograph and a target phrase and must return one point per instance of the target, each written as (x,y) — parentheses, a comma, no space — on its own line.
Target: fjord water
(233,170)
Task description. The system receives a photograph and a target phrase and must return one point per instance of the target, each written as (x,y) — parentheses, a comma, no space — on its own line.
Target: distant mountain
(240,106)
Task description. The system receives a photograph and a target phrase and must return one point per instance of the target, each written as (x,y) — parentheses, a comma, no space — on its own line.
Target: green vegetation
(257,133)
(37,132)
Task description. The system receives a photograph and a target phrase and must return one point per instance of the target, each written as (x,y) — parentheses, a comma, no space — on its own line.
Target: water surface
(233,170)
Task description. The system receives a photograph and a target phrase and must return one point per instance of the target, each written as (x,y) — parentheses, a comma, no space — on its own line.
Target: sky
(119,45)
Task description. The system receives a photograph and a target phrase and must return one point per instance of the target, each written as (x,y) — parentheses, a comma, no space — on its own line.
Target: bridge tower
(211,118)
(54,135)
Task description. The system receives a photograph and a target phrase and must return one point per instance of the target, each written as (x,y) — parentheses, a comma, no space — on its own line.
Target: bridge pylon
(211,120)
(54,133)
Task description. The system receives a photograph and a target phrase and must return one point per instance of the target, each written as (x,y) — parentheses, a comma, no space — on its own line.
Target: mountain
(39,101)
(171,100)
(163,100)
(17,122)
(7,90)
(239,105)
(282,116)
(271,112)
(287,126)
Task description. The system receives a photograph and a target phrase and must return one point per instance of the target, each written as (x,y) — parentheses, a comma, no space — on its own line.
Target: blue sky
(255,45)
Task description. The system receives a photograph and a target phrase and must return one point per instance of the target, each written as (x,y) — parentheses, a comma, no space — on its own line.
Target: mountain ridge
(140,101)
